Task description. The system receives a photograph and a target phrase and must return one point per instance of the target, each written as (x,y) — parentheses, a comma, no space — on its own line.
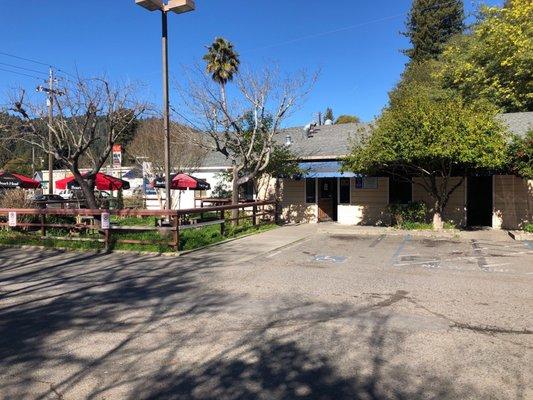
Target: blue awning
(324,169)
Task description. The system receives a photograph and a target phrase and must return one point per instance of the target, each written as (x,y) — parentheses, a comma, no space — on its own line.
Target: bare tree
(89,117)
(186,151)
(243,125)
(148,145)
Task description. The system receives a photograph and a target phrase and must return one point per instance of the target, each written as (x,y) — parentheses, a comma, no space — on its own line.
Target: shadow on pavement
(157,309)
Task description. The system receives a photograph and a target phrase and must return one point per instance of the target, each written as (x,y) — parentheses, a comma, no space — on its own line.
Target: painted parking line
(406,239)
(377,240)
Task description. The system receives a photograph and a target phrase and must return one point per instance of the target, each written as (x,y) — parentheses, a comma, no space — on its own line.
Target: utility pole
(166,106)
(50,102)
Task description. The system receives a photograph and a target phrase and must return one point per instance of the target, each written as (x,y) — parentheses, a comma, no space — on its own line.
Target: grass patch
(189,238)
(133,221)
(528,228)
(412,226)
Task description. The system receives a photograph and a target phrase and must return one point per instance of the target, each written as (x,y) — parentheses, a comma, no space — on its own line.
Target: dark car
(45,200)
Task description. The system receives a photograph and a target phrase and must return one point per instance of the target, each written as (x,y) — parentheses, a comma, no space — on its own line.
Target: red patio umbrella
(182,182)
(12,180)
(102,182)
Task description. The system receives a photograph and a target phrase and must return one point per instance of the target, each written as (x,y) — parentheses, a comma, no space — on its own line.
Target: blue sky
(355,44)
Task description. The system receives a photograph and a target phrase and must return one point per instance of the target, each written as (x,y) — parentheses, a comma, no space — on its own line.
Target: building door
(327,199)
(479,201)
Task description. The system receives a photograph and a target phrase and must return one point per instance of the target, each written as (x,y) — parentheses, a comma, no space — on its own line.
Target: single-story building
(325,193)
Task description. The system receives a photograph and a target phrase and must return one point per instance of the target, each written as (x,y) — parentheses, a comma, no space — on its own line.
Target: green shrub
(528,228)
(415,211)
(409,225)
(135,202)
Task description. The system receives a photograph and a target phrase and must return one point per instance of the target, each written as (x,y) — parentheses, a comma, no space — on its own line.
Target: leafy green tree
(495,61)
(347,119)
(433,135)
(222,62)
(418,73)
(521,156)
(20,165)
(329,114)
(430,24)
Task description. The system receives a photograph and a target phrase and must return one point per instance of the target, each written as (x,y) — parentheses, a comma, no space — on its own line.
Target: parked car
(67,194)
(47,200)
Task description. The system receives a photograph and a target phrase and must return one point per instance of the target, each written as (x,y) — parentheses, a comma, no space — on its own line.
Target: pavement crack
(490,329)
(53,389)
(486,329)
(395,298)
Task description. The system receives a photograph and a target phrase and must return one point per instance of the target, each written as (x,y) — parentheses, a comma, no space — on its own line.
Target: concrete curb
(132,252)
(208,246)
(521,235)
(447,234)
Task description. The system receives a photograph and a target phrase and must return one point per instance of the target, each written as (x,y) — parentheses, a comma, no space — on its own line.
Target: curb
(207,246)
(521,235)
(129,252)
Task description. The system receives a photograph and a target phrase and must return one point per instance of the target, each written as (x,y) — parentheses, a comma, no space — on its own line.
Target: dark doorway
(479,201)
(327,199)
(400,191)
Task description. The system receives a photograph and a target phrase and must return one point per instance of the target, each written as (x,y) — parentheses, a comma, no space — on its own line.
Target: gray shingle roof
(519,123)
(215,159)
(334,141)
(325,141)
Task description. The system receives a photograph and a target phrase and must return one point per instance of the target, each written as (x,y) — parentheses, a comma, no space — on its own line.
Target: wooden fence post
(106,239)
(176,232)
(43,224)
(254,215)
(223,224)
(277,212)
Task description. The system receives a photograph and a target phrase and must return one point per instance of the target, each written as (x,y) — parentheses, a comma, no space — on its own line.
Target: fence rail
(168,221)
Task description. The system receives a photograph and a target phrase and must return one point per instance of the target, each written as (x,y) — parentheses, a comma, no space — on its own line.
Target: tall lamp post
(177,6)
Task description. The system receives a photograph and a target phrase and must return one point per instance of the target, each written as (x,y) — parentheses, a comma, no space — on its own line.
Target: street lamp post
(177,6)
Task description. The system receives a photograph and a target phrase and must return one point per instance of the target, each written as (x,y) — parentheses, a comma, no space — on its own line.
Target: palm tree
(222,63)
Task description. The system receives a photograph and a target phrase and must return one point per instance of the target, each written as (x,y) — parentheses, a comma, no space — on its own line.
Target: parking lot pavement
(320,315)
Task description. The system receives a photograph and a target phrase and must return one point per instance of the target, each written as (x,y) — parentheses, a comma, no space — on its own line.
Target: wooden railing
(171,221)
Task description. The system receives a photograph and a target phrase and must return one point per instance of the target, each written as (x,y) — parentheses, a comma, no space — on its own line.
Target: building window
(199,194)
(344,190)
(310,190)
(400,191)
(366,182)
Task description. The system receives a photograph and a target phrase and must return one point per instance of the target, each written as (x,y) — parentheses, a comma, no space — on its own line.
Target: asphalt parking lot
(301,312)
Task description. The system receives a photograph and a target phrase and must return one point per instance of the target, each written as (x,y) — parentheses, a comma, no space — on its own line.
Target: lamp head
(151,5)
(180,6)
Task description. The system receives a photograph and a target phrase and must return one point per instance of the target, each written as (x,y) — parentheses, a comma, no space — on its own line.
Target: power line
(25,59)
(39,63)
(25,69)
(325,33)
(22,74)
(346,28)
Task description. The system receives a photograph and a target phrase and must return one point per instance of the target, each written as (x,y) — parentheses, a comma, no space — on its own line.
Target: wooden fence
(168,222)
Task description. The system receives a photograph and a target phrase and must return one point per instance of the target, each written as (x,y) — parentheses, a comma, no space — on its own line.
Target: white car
(66,194)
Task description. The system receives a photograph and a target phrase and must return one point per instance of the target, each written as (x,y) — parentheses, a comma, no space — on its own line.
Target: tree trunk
(437,217)
(235,195)
(87,188)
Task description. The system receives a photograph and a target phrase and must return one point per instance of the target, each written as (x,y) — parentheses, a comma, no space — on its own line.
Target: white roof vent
(288,140)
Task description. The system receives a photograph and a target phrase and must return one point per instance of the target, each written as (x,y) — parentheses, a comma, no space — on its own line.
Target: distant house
(325,193)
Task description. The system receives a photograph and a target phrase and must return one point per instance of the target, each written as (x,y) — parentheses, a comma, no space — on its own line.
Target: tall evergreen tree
(329,114)
(430,24)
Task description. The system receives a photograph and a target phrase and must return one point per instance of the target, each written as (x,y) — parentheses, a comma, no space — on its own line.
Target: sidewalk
(249,247)
(500,235)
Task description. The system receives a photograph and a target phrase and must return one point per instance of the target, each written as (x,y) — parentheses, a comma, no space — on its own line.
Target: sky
(356,45)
